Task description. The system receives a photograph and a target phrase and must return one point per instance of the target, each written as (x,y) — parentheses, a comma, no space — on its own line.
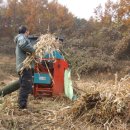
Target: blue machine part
(56,54)
(42,78)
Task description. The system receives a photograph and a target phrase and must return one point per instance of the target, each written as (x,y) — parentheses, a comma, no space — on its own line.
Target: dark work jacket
(23,46)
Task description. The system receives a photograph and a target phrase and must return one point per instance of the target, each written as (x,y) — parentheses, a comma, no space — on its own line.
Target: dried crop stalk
(46,44)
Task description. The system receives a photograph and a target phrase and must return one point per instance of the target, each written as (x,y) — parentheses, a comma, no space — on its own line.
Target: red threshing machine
(49,75)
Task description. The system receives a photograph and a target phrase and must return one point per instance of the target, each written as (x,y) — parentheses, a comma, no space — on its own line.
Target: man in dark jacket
(23,46)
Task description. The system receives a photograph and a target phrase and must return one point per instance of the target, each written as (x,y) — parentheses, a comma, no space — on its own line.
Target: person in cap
(23,47)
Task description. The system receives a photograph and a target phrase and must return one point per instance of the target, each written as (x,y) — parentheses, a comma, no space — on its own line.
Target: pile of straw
(46,44)
(103,105)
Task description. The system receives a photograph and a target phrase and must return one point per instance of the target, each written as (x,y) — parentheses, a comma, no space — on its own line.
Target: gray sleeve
(25,45)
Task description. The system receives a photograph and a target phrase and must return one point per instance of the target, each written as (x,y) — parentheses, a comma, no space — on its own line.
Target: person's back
(22,46)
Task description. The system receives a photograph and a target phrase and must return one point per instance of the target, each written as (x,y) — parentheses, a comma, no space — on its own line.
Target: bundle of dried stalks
(46,44)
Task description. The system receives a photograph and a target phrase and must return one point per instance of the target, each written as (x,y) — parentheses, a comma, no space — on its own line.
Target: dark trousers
(25,87)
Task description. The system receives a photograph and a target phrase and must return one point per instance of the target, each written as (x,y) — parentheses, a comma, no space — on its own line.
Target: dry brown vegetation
(103,98)
(7,68)
(97,51)
(100,105)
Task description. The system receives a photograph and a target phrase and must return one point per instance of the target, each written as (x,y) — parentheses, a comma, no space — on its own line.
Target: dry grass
(7,68)
(103,105)
(37,117)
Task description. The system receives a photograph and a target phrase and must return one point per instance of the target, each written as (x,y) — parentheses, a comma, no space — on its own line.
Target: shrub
(90,60)
(122,50)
